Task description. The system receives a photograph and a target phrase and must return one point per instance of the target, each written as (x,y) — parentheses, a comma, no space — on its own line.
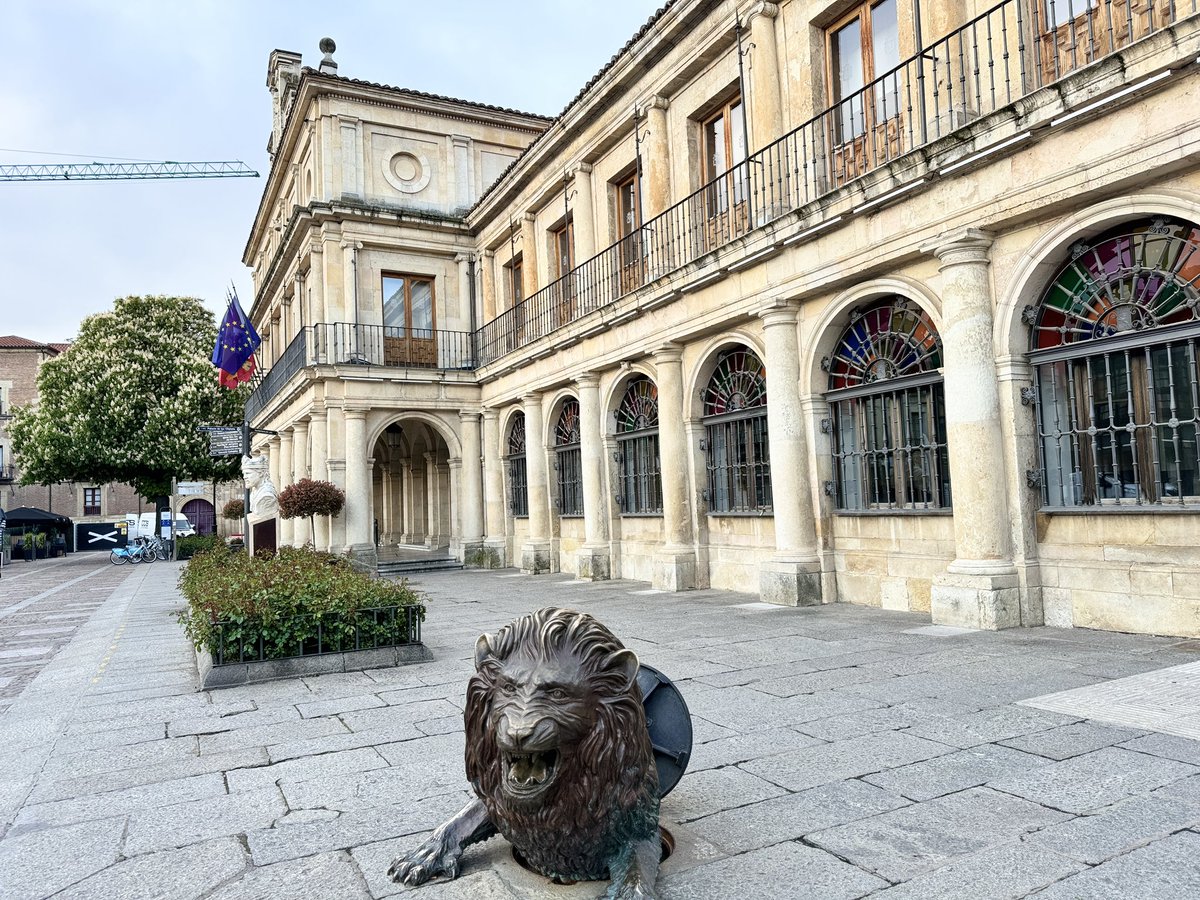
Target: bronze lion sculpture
(559,757)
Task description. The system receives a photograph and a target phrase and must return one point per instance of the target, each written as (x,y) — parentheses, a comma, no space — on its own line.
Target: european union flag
(233,354)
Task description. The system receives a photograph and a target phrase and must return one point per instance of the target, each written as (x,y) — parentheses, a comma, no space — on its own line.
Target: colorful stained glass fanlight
(738,382)
(567,430)
(891,339)
(1140,276)
(639,407)
(516,435)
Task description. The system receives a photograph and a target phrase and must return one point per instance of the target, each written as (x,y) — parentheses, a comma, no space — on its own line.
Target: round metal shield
(670,726)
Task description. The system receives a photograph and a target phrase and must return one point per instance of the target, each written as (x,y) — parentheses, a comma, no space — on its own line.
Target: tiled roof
(422,95)
(641,32)
(16,342)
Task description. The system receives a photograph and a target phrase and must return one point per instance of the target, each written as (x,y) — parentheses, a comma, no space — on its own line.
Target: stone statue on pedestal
(264,499)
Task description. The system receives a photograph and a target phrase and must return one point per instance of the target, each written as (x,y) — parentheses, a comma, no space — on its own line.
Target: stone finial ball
(327,46)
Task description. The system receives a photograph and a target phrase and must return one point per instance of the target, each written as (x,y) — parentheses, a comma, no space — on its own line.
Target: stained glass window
(568,460)
(518,478)
(1115,342)
(735,425)
(637,441)
(888,411)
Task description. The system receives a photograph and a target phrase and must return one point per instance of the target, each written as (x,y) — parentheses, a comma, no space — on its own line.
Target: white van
(144,525)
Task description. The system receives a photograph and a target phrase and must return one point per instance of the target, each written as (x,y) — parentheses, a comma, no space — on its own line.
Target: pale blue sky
(168,80)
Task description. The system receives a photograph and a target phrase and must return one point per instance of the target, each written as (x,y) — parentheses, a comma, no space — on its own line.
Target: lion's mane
(607,793)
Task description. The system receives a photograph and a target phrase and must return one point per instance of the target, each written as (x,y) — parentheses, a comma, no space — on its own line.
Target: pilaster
(535,552)
(675,564)
(593,559)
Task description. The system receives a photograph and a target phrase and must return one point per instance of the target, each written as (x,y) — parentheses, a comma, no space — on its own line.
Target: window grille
(735,420)
(889,411)
(1115,347)
(568,460)
(518,473)
(639,470)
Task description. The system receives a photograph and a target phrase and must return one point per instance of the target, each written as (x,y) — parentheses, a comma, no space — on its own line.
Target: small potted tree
(235,511)
(311,498)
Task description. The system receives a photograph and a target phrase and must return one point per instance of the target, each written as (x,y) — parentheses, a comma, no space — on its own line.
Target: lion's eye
(508,687)
(558,694)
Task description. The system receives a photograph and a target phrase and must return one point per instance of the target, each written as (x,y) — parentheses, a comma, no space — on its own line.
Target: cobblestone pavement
(42,605)
(840,752)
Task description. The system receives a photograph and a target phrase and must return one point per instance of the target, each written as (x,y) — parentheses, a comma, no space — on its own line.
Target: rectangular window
(562,288)
(640,477)
(723,173)
(516,288)
(563,240)
(1121,428)
(890,450)
(518,486)
(91,501)
(569,461)
(409,337)
(739,465)
(863,51)
(629,223)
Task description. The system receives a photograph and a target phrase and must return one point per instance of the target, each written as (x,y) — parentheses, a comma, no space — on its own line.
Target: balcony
(347,344)
(8,474)
(989,63)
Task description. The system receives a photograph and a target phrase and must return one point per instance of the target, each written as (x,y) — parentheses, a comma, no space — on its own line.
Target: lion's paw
(431,859)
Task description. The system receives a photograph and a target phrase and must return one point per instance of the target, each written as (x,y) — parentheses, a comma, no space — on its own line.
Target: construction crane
(125,171)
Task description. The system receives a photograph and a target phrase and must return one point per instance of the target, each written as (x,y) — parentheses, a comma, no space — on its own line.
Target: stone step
(391,568)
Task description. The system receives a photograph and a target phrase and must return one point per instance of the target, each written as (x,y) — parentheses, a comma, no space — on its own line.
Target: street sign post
(223,440)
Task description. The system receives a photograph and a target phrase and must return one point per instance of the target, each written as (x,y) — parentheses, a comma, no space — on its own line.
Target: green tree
(124,401)
(311,498)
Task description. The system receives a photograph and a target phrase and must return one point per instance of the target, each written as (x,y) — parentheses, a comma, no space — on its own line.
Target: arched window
(567,460)
(1115,344)
(735,424)
(518,477)
(889,411)
(637,443)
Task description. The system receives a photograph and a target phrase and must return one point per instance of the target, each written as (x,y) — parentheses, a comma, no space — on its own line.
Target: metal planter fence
(385,626)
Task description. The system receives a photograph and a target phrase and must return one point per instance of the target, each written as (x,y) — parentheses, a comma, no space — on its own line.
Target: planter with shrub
(298,613)
(189,546)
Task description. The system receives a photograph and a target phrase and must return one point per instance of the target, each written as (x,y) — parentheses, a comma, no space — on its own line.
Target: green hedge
(284,600)
(189,546)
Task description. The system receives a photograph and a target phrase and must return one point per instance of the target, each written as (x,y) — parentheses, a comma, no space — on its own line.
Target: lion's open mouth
(528,773)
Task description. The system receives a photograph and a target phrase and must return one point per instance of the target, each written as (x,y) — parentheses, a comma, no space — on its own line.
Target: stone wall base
(480,555)
(675,570)
(790,583)
(535,557)
(593,563)
(364,558)
(991,601)
(234,674)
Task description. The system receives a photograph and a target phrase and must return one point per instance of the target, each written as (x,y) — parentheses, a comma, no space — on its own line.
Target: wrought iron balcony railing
(991,61)
(8,474)
(344,343)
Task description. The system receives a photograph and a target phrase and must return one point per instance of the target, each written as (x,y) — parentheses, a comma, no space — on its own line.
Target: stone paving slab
(837,750)
(1164,869)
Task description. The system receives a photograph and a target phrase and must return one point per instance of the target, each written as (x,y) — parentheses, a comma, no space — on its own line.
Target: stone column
(535,552)
(287,527)
(675,565)
(432,525)
(585,215)
(358,488)
(464,283)
(793,576)
(451,476)
(766,103)
(979,589)
(317,434)
(593,560)
(495,540)
(387,518)
(301,532)
(529,255)
(471,495)
(656,159)
(488,264)
(407,511)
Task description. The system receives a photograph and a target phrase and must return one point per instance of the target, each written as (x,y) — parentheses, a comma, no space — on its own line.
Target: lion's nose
(515,733)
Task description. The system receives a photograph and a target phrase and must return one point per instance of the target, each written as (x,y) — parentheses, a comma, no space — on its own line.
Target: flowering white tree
(124,401)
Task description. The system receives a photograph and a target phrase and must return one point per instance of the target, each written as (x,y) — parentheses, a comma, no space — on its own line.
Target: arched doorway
(202,516)
(412,487)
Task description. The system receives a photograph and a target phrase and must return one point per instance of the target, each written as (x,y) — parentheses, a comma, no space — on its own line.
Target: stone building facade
(887,303)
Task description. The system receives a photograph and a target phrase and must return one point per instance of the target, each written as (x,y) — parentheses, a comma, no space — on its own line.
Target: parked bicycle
(141,550)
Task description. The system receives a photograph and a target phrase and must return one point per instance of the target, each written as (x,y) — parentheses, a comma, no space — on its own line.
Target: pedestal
(593,563)
(535,557)
(788,583)
(976,596)
(675,570)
